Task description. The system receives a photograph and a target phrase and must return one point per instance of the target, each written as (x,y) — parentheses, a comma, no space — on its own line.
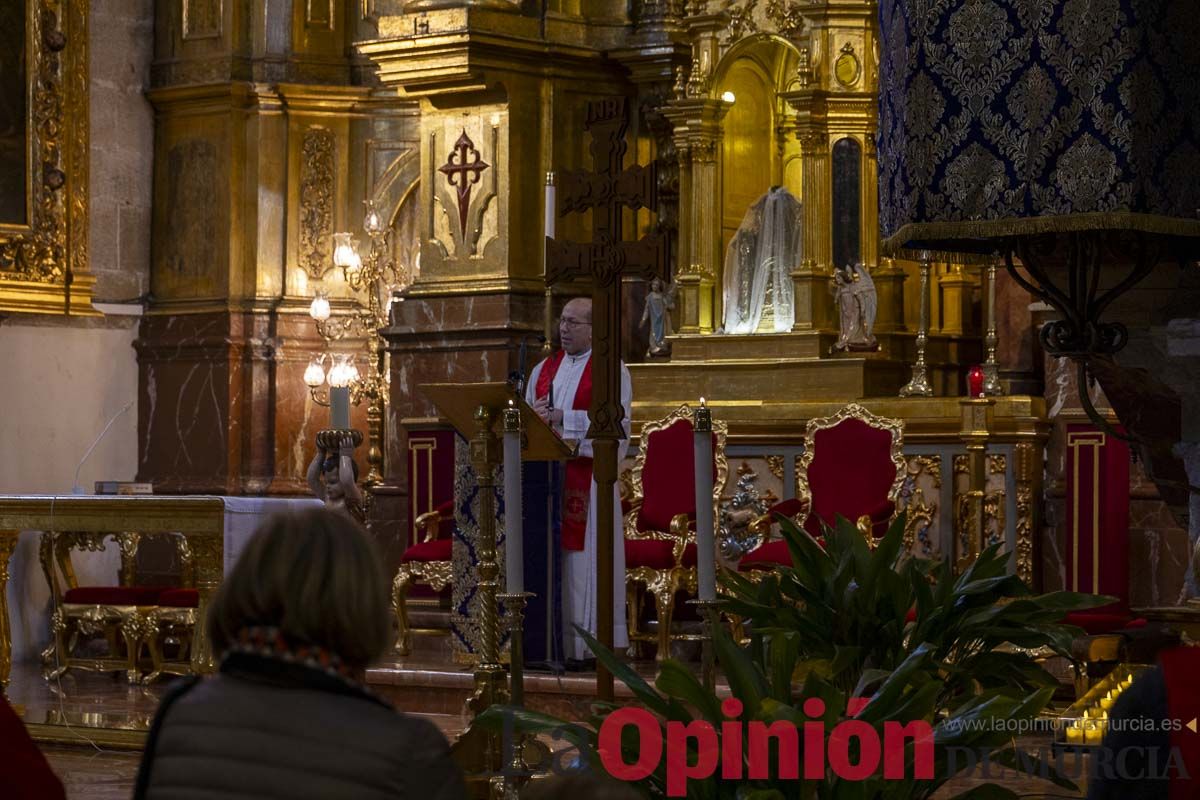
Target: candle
(705,545)
(1074,733)
(514,531)
(550,205)
(975,382)
(339,407)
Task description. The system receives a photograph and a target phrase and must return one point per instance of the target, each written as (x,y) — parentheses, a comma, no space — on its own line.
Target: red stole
(1181,669)
(577,493)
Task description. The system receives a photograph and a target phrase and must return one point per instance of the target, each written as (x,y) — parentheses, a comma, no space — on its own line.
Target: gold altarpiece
(44,159)
(785,93)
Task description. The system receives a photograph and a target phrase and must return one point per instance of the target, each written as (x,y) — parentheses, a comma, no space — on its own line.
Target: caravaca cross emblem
(463,169)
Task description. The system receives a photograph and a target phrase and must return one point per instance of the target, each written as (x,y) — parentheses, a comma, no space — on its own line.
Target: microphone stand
(519,377)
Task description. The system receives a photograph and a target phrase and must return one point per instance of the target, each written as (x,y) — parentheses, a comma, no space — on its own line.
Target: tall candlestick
(550,205)
(339,407)
(919,386)
(991,371)
(706,573)
(514,524)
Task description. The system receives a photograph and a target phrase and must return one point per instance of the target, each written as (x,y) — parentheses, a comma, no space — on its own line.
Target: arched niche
(757,151)
(847,202)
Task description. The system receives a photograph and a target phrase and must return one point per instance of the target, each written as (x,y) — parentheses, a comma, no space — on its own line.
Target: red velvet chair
(853,466)
(121,613)
(427,562)
(660,529)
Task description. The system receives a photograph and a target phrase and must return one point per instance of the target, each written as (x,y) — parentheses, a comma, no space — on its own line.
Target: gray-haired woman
(295,625)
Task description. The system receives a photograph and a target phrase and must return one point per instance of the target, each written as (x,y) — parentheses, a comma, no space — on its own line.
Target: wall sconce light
(319,310)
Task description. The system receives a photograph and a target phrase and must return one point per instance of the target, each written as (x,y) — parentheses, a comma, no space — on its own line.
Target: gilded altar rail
(201,520)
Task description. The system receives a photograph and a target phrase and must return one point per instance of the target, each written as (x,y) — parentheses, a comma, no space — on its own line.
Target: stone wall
(68,379)
(122,147)
(71,375)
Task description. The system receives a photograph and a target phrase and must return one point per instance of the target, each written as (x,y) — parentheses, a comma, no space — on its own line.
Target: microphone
(518,377)
(75,487)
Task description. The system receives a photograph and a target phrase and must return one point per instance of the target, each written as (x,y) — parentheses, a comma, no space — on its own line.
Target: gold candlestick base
(523,754)
(709,612)
(919,385)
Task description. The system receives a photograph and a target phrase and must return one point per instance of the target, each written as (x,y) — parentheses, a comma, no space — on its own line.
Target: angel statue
(659,304)
(333,475)
(854,292)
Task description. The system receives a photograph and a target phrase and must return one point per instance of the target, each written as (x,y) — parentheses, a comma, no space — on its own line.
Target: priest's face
(575,326)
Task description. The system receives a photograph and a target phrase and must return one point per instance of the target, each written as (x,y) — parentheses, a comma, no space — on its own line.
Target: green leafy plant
(918,643)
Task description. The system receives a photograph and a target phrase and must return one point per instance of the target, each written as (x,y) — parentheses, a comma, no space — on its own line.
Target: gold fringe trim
(945,256)
(1013,226)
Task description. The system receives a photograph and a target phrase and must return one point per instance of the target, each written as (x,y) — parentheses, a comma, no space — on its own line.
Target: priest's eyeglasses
(567,322)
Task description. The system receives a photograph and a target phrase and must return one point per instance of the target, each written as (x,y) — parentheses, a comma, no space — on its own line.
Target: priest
(560,391)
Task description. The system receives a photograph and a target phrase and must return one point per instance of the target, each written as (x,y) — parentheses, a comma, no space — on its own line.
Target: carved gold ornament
(43,245)
(847,69)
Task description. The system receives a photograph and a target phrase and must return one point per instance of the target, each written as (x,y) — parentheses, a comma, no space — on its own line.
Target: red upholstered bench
(657,554)
(179,598)
(112,595)
(437,550)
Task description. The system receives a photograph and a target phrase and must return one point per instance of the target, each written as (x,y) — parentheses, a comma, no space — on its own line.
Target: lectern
(482,413)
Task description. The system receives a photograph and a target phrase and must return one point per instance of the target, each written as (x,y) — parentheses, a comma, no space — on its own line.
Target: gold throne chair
(852,466)
(428,562)
(660,525)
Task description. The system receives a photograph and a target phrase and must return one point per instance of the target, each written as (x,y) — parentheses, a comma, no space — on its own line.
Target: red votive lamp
(975,382)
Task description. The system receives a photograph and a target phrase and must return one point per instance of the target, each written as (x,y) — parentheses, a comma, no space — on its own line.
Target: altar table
(217,529)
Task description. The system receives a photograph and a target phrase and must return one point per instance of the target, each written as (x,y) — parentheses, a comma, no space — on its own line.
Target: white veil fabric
(759,261)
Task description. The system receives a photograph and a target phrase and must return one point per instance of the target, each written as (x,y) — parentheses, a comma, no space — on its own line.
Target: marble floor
(91,774)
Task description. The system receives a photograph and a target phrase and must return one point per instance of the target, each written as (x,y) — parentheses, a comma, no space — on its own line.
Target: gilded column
(684,248)
(697,131)
(869,230)
(813,301)
(955,288)
(889,285)
(969,520)
(1028,472)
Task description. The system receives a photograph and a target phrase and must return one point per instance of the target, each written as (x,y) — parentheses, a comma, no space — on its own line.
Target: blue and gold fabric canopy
(1002,118)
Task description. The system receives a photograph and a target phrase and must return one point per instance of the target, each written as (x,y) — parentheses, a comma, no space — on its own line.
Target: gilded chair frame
(123,626)
(852,411)
(804,490)
(437,575)
(175,626)
(664,583)
(127,629)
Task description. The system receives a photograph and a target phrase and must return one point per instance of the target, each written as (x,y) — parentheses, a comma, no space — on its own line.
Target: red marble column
(222,404)
(462,338)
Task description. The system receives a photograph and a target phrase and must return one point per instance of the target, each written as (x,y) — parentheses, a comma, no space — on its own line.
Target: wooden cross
(606,191)
(468,170)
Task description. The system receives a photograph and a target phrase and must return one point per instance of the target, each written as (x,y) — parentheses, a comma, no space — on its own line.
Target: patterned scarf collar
(263,651)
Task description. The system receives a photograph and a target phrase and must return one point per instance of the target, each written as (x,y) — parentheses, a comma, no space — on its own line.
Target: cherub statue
(332,478)
(659,304)
(854,292)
